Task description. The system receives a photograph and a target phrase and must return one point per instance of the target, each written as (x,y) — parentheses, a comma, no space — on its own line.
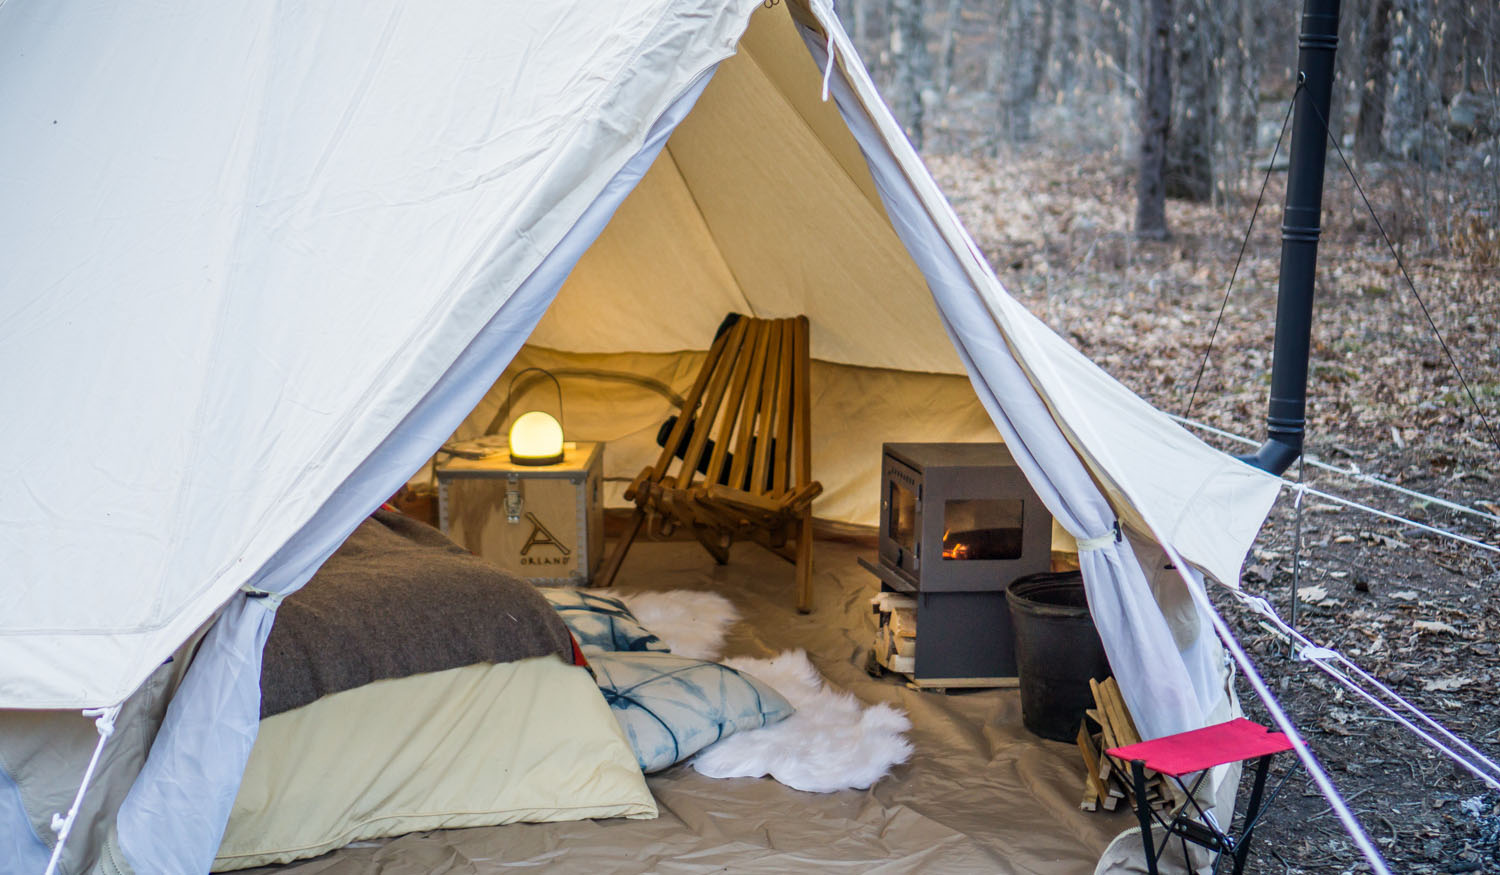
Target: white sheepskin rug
(833,742)
(689,622)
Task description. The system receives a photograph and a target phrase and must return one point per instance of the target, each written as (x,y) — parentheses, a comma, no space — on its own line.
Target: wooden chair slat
(689,405)
(781,476)
(751,405)
(703,420)
(758,474)
(803,410)
(724,429)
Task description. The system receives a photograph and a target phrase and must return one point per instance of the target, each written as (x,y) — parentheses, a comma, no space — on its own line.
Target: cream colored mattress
(530,741)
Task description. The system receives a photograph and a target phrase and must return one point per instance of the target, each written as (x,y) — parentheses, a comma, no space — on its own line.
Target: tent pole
(1300,228)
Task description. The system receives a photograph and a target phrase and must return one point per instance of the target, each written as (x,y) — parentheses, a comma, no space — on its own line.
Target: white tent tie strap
(1321,656)
(1099,543)
(104,724)
(1351,472)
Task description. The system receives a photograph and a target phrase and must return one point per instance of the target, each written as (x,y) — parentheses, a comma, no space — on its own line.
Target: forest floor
(1419,612)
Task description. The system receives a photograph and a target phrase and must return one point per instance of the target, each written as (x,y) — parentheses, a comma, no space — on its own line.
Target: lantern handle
(510,392)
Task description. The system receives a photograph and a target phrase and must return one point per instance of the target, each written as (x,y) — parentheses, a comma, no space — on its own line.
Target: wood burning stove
(958,523)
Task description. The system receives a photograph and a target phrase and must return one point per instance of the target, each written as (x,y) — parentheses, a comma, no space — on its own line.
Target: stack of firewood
(896,631)
(1108,780)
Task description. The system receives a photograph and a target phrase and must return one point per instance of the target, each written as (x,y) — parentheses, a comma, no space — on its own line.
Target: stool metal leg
(1143,812)
(1242,848)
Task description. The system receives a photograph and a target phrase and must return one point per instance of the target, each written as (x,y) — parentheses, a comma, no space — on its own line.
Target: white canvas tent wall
(261,261)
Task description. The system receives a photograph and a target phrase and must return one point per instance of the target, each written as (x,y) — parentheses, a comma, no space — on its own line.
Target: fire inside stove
(982,529)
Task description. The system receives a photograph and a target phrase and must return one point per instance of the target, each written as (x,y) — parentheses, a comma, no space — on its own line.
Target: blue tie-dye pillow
(671,707)
(601,622)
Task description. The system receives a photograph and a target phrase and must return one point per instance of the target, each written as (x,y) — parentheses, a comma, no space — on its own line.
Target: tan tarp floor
(980,793)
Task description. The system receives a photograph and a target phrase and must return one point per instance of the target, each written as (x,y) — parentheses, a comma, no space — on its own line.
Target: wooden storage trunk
(544,523)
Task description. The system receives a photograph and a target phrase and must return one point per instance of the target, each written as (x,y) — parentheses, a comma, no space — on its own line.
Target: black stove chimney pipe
(1286,413)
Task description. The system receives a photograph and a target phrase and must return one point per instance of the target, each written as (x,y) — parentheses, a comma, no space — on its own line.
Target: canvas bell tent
(263,260)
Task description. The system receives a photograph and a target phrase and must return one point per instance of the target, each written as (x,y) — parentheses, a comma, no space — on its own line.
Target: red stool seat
(1188,752)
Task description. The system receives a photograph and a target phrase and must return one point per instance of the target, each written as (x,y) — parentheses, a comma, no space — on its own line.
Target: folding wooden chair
(743,442)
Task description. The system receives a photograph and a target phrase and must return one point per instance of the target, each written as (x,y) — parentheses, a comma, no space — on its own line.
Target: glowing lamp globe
(536,439)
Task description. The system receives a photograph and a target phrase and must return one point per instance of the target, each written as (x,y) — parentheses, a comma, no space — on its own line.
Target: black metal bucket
(1057,651)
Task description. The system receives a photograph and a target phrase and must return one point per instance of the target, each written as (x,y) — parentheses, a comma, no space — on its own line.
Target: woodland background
(1030,114)
(1415,82)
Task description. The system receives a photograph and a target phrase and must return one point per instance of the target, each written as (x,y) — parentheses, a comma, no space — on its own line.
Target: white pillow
(600,622)
(671,707)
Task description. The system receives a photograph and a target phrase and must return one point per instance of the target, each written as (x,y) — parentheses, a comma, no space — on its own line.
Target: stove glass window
(902,522)
(982,529)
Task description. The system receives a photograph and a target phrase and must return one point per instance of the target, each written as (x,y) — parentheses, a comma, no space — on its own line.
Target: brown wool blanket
(398,599)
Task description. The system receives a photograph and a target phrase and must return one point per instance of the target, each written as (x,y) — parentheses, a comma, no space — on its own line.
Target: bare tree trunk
(995,70)
(1123,35)
(1028,36)
(1135,49)
(1069,46)
(1156,116)
(859,23)
(1375,84)
(1252,18)
(911,67)
(1042,55)
(1411,95)
(1346,70)
(947,46)
(1238,81)
(1190,143)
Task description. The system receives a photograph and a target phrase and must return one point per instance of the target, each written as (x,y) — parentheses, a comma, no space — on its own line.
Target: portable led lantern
(535,437)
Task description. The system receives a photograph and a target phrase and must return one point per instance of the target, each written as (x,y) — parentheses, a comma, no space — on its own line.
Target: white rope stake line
(1318,656)
(1318,659)
(104,723)
(1308,651)
(1278,716)
(1352,472)
(1375,682)
(1328,496)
